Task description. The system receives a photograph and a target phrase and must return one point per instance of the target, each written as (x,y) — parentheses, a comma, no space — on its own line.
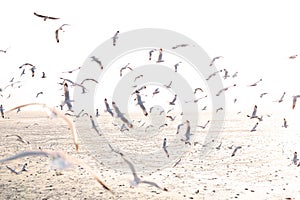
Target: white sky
(254,37)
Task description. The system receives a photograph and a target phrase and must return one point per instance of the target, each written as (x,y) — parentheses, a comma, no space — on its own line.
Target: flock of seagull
(65,160)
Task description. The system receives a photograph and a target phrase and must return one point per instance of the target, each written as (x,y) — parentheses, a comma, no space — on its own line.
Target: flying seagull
(95,59)
(214,59)
(125,67)
(235,150)
(57,31)
(115,37)
(45,17)
(295,100)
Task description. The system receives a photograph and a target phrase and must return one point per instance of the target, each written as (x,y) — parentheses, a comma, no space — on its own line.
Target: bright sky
(255,38)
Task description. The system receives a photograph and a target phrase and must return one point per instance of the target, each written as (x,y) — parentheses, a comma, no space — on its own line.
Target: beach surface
(261,169)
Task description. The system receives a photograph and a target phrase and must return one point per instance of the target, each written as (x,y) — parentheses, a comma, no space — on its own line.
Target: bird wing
(56,35)
(39,15)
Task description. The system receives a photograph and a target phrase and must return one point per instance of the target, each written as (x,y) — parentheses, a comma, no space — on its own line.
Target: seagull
(160,56)
(295,100)
(54,112)
(26,64)
(204,126)
(45,17)
(197,89)
(226,74)
(213,74)
(219,109)
(121,115)
(284,123)
(137,180)
(44,75)
(235,74)
(163,125)
(224,89)
(295,158)
(95,59)
(88,79)
(171,118)
(156,91)
(108,108)
(293,56)
(126,67)
(204,108)
(177,163)
(178,127)
(255,84)
(137,77)
(170,110)
(165,147)
(263,94)
(37,95)
(235,150)
(253,113)
(73,84)
(180,45)
(173,101)
(57,31)
(4,51)
(176,66)
(59,158)
(214,59)
(196,100)
(254,128)
(140,102)
(281,99)
(169,85)
(71,71)
(115,37)
(150,53)
(94,126)
(19,138)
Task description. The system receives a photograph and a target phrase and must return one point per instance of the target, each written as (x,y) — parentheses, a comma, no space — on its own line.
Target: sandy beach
(261,169)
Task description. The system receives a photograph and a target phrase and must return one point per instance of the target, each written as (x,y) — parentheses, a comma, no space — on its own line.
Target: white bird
(253,113)
(255,84)
(204,126)
(173,101)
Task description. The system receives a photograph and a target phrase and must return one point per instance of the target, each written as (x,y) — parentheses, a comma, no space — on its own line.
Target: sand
(261,169)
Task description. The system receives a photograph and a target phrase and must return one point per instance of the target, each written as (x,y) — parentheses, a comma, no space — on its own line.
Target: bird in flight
(115,37)
(95,59)
(197,89)
(214,59)
(253,113)
(71,71)
(263,94)
(204,126)
(169,85)
(165,147)
(293,56)
(213,74)
(255,84)
(281,99)
(125,67)
(137,77)
(235,150)
(180,45)
(173,101)
(254,128)
(176,66)
(45,17)
(37,95)
(284,123)
(156,91)
(57,31)
(224,89)
(295,100)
